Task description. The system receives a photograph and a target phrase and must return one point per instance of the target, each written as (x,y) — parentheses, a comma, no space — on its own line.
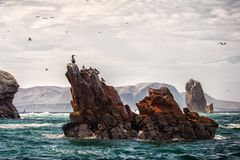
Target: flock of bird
(99,32)
(91,69)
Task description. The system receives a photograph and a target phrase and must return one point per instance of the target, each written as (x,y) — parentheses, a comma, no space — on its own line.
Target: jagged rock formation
(99,113)
(98,110)
(195,99)
(163,119)
(8,88)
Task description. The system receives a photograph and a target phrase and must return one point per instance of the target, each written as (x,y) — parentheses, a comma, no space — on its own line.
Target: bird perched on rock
(103,80)
(96,71)
(73,59)
(83,67)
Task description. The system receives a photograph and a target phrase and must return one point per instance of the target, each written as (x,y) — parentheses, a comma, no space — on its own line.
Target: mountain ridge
(47,98)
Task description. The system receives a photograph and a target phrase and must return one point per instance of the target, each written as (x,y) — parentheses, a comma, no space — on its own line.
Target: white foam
(17,126)
(53,136)
(219,137)
(233,125)
(44,114)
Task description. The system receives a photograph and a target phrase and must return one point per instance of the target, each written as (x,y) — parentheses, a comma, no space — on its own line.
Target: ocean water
(39,136)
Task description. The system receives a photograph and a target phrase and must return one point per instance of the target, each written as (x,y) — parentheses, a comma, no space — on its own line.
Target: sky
(129,41)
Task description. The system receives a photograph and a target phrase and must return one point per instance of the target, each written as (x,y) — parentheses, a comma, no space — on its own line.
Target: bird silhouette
(103,80)
(222,43)
(29,39)
(96,71)
(46,69)
(73,59)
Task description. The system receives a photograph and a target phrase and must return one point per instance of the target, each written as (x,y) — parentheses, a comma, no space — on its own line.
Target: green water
(39,136)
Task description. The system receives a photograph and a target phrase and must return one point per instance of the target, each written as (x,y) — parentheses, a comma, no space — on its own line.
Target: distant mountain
(57,99)
(43,99)
(132,94)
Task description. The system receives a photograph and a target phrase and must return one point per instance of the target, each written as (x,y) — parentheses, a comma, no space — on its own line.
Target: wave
(17,126)
(220,137)
(43,114)
(53,136)
(231,126)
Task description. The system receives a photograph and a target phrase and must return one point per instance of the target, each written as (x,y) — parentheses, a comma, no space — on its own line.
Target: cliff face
(8,88)
(99,113)
(195,99)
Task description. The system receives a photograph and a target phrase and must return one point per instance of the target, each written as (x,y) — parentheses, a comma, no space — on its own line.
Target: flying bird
(73,59)
(29,39)
(46,69)
(222,43)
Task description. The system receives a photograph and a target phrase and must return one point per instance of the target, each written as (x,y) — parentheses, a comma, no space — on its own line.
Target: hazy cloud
(130,41)
(231,60)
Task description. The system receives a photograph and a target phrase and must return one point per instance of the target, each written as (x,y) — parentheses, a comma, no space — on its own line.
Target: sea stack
(99,113)
(98,110)
(195,98)
(8,88)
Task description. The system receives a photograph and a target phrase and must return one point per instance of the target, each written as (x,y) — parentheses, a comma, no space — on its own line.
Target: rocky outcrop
(98,110)
(99,113)
(195,99)
(163,120)
(8,88)
(209,108)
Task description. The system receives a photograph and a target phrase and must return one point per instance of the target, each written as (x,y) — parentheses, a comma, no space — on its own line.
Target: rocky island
(8,88)
(99,113)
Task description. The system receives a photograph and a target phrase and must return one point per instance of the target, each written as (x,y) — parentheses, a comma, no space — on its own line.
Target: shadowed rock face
(195,99)
(8,88)
(99,113)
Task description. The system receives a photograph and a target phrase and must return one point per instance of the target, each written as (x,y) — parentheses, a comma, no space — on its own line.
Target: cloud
(230,60)
(130,41)
(234,59)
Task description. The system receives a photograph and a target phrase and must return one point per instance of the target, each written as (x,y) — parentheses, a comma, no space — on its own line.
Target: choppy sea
(39,136)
